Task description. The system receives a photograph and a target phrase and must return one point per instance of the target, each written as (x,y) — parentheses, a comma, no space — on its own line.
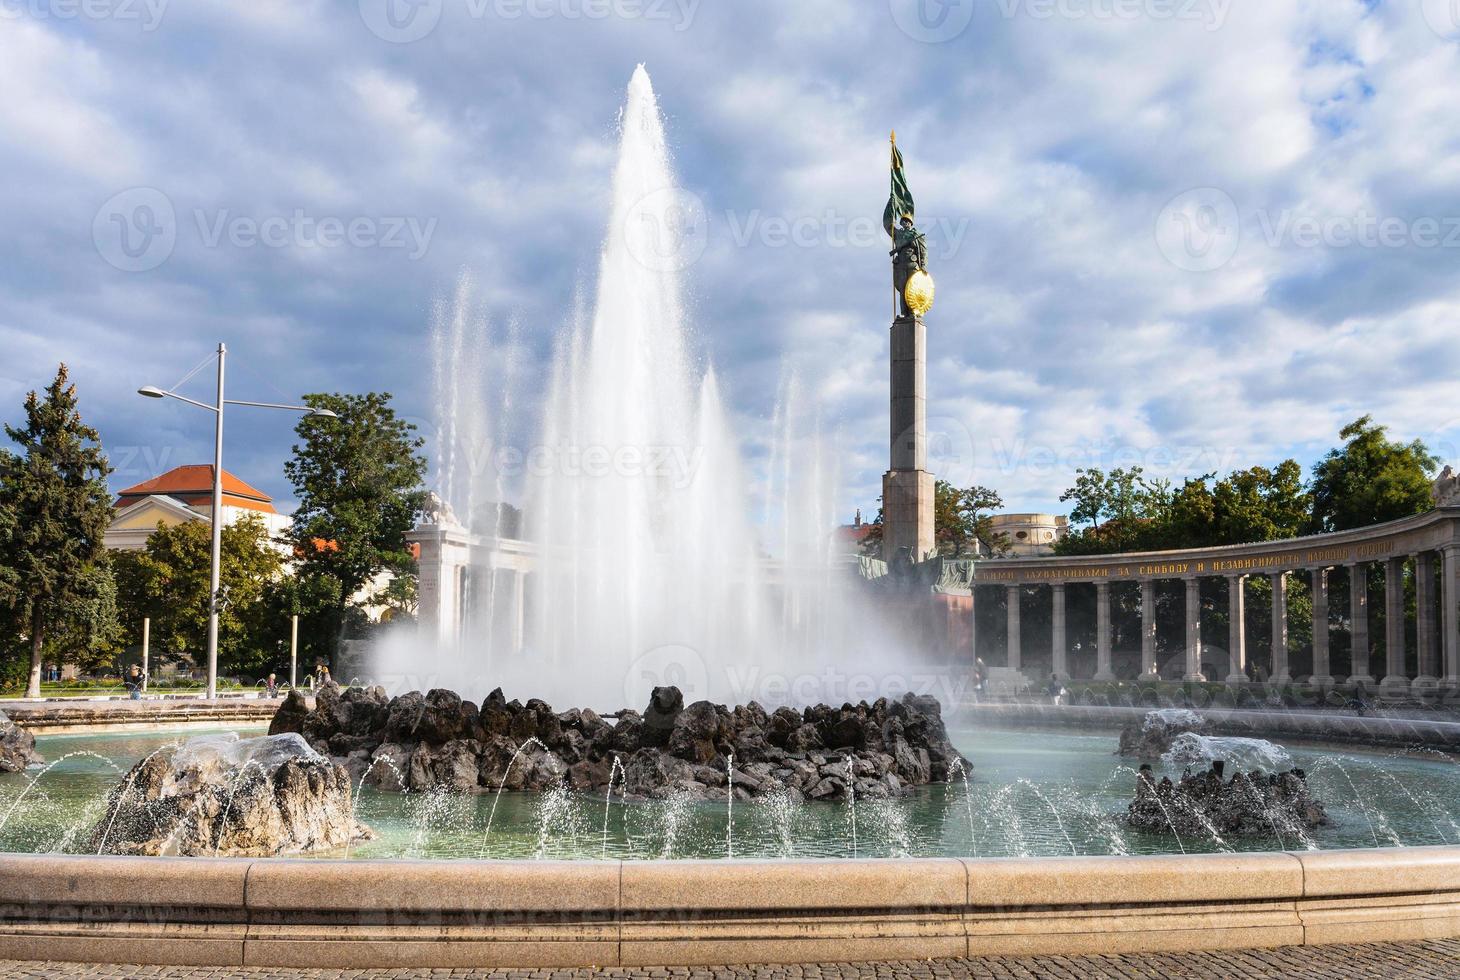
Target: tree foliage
(359,479)
(168,582)
(57,509)
(1370,479)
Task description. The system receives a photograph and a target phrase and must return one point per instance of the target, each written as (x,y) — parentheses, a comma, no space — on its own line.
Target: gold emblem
(919,292)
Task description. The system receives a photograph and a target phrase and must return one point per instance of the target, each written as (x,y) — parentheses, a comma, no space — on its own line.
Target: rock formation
(221,795)
(1251,803)
(1151,737)
(424,741)
(17,746)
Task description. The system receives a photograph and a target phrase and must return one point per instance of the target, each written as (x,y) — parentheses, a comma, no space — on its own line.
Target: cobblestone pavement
(1435,960)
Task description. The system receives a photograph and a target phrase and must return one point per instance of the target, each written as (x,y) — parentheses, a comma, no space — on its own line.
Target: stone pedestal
(907,514)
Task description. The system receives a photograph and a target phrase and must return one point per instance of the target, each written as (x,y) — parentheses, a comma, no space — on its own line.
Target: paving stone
(1433,960)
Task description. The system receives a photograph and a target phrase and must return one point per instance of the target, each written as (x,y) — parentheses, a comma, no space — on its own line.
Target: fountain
(645,565)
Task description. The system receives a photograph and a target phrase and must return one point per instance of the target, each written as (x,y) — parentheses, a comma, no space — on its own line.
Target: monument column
(1237,629)
(1395,679)
(1450,616)
(1280,673)
(1103,671)
(907,487)
(1014,639)
(1322,673)
(1059,648)
(1428,676)
(1358,616)
(1148,631)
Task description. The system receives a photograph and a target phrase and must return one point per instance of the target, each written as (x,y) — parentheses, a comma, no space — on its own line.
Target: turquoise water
(1031,794)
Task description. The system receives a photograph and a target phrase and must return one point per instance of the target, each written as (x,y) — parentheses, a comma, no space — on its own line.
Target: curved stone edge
(351,915)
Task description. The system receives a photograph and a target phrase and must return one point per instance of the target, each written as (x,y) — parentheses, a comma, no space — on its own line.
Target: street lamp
(152,391)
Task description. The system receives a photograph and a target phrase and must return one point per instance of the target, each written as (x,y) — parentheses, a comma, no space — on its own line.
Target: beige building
(186,494)
(1031,535)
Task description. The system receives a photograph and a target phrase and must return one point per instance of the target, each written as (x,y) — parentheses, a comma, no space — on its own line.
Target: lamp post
(215,555)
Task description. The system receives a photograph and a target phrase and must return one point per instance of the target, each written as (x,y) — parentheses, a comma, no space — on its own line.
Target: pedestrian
(271,686)
(1056,690)
(135,679)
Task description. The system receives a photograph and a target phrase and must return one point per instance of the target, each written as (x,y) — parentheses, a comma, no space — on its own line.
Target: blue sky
(1186,234)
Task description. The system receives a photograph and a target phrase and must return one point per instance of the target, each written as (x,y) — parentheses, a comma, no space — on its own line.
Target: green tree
(168,582)
(963,519)
(359,479)
(1370,479)
(58,509)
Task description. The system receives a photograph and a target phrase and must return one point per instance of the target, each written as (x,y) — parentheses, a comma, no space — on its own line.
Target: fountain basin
(297,914)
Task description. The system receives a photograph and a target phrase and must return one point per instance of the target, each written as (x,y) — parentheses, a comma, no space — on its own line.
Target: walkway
(1434,960)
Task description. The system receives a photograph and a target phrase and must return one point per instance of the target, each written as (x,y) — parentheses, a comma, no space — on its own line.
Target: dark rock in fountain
(17,747)
(1203,804)
(420,742)
(219,795)
(1151,737)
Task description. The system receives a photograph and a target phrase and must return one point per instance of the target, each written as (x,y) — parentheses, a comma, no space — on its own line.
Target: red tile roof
(193,485)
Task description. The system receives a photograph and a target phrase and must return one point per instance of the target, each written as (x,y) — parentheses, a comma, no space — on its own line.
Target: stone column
(1428,677)
(1193,630)
(1013,638)
(1396,680)
(1280,672)
(1322,672)
(1450,615)
(1059,647)
(519,610)
(1237,629)
(1148,631)
(907,487)
(1103,671)
(1358,613)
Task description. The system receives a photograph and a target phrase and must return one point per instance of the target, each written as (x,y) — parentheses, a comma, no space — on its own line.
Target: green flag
(901,201)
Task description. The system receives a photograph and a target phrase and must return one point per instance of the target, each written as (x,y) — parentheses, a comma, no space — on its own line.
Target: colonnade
(1437,632)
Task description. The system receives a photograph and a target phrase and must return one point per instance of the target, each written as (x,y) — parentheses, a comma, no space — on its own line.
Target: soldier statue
(909,255)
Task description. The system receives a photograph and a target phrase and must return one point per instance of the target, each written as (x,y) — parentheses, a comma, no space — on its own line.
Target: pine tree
(57,510)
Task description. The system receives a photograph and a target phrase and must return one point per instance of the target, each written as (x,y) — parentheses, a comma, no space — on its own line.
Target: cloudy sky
(1186,234)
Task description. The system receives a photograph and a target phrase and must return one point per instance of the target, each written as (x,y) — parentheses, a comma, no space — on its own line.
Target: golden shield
(919,292)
